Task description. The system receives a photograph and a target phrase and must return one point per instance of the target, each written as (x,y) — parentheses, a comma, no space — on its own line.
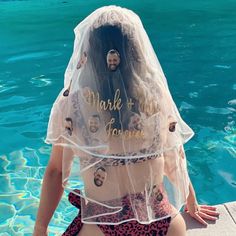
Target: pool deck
(224,226)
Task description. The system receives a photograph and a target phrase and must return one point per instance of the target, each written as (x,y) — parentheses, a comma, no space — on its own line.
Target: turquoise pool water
(195,42)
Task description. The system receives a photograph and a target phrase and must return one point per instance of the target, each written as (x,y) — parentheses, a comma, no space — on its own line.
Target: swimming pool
(195,43)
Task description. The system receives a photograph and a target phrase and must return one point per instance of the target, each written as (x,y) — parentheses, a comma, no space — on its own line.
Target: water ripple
(15,100)
(222,66)
(185,106)
(33,55)
(222,111)
(40,81)
(232,102)
(193,94)
(8,88)
(210,85)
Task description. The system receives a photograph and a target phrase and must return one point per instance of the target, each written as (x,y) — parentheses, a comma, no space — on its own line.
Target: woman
(117,137)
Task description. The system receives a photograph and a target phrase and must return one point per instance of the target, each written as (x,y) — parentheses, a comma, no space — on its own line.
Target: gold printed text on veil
(127,133)
(116,104)
(94,100)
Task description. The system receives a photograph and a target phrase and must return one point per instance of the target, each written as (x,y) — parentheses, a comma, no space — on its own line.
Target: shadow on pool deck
(224,226)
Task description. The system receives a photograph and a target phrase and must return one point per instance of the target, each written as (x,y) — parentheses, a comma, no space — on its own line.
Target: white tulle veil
(121,132)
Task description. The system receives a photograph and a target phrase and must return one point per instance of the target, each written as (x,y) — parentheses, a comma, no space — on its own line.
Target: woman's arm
(51,192)
(192,194)
(173,159)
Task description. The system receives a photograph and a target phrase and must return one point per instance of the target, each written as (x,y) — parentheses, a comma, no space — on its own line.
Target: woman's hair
(134,78)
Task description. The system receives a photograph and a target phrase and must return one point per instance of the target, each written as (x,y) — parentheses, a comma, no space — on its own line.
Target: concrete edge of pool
(224,226)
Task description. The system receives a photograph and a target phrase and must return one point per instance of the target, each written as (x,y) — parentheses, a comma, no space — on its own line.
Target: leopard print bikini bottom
(129,228)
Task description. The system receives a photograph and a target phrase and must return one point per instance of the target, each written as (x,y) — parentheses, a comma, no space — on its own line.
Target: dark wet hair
(110,38)
(100,168)
(113,51)
(96,116)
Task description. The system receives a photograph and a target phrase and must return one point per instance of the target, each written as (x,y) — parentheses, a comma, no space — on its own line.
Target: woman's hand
(200,212)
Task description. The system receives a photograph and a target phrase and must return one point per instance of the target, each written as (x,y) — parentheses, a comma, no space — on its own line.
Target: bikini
(124,222)
(129,228)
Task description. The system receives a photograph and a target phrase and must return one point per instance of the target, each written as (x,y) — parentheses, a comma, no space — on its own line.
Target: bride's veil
(114,115)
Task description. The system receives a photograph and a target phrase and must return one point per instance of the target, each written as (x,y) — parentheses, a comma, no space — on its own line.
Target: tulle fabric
(121,131)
